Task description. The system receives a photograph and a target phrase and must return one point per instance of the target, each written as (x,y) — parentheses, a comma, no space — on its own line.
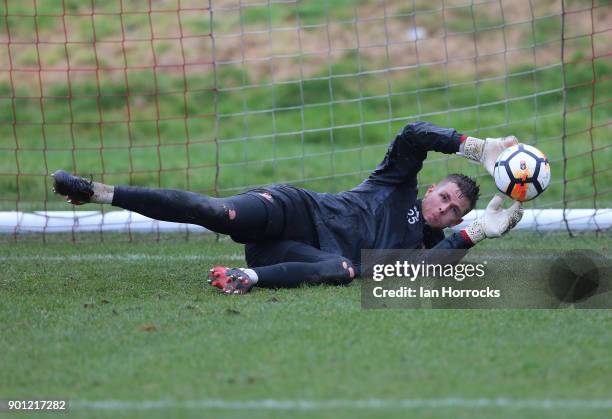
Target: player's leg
(283,264)
(244,215)
(300,263)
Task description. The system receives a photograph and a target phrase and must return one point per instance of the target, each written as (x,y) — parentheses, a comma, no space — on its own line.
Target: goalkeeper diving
(295,236)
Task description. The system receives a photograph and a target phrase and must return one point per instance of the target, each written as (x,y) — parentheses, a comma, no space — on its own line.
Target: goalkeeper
(294,236)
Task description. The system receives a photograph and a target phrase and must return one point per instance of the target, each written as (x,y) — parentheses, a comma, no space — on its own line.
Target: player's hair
(468,187)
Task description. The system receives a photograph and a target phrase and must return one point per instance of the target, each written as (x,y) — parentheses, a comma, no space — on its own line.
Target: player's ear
(431,188)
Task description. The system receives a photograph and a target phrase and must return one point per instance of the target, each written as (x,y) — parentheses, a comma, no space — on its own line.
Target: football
(522,172)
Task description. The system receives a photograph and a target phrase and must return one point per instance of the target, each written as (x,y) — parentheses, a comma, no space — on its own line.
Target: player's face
(444,205)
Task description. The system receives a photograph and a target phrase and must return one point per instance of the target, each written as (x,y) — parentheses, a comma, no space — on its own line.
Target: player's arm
(405,156)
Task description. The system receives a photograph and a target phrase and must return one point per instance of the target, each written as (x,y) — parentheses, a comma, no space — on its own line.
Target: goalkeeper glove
(496,221)
(486,152)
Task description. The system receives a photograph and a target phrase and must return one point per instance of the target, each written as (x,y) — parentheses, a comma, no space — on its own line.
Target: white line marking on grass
(126,257)
(344,404)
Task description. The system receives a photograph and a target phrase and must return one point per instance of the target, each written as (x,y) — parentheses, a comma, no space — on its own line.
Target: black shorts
(288,218)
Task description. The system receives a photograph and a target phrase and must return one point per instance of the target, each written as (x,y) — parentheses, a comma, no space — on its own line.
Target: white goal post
(12,222)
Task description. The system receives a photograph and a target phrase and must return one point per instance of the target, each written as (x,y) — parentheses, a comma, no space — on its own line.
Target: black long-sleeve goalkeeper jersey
(383,212)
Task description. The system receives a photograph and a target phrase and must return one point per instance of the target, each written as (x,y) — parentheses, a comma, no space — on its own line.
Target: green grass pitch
(137,322)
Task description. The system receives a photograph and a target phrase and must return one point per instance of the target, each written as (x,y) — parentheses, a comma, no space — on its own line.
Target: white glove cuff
(473,148)
(475,231)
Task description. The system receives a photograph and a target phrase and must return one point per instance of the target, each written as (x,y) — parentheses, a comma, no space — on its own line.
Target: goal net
(228,95)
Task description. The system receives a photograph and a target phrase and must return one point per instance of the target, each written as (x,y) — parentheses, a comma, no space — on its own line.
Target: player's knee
(214,208)
(347,265)
(347,272)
